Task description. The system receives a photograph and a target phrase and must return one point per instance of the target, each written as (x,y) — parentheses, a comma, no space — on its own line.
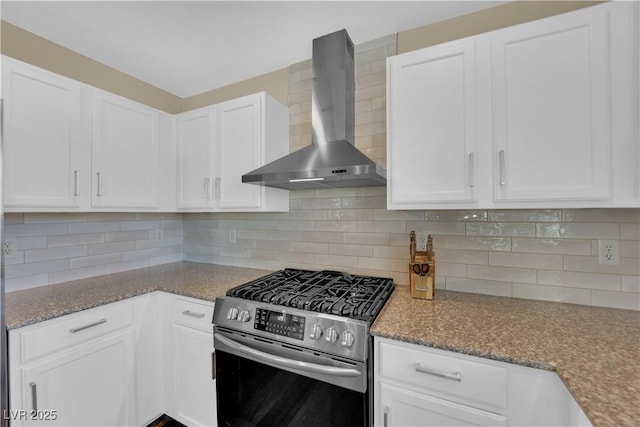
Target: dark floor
(165,421)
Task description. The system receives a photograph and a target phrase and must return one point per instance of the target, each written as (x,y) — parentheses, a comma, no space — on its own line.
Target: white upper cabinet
(432,126)
(552,108)
(543,115)
(125,153)
(195,157)
(250,132)
(42,140)
(220,143)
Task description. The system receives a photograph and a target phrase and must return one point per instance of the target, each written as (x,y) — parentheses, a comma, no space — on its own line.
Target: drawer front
(440,374)
(193,314)
(54,335)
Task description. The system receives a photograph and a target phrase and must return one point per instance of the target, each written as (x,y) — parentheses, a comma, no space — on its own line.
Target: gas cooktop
(329,292)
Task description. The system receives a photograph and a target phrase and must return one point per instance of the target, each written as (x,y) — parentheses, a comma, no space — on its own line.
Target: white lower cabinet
(191,389)
(120,364)
(74,370)
(420,386)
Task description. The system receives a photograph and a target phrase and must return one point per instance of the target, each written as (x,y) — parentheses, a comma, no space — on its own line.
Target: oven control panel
(285,324)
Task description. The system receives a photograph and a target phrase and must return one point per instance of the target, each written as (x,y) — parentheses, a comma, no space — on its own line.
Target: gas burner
(330,292)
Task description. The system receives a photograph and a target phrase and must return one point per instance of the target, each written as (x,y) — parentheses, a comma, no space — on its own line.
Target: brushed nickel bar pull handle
(99,184)
(193,314)
(502,167)
(34,396)
(454,376)
(213,365)
(206,188)
(385,421)
(76,182)
(218,179)
(472,170)
(90,325)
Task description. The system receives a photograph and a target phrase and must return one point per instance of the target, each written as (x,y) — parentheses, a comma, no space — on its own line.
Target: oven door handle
(288,363)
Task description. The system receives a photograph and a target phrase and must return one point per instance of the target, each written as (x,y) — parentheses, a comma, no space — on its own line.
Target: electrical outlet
(609,252)
(422,242)
(7,248)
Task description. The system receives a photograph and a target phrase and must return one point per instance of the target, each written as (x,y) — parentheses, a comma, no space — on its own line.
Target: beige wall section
(276,83)
(28,47)
(482,21)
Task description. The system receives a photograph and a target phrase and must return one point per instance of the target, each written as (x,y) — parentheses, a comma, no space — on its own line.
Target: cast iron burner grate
(330,292)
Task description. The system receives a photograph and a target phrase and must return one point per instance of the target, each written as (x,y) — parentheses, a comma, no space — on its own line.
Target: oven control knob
(232,314)
(316,332)
(332,335)
(244,316)
(347,339)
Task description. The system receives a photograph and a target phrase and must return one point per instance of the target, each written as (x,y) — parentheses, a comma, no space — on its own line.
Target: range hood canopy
(332,160)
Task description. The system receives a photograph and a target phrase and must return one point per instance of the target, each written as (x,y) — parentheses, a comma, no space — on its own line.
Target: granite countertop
(202,281)
(594,350)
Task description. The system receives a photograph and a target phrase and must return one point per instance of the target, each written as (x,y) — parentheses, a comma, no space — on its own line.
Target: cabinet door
(239,150)
(85,386)
(195,144)
(431,143)
(41,138)
(403,407)
(552,109)
(194,392)
(125,153)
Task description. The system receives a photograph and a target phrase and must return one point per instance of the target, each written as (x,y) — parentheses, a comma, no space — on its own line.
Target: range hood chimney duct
(332,160)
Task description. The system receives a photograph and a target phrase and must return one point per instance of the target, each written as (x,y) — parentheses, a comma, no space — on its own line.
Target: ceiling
(190,47)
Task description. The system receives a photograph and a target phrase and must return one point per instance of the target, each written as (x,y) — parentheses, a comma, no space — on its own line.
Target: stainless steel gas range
(293,349)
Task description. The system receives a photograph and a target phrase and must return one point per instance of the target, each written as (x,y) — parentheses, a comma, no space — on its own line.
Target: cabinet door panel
(404,407)
(42,138)
(432,123)
(195,159)
(195,391)
(239,150)
(125,153)
(89,386)
(552,136)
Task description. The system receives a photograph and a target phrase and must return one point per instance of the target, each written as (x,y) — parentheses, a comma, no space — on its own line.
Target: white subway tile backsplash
(367,238)
(34,242)
(631,284)
(526,215)
(28,230)
(91,260)
(552,293)
(552,246)
(486,287)
(355,250)
(512,229)
(349,214)
(579,230)
(478,243)
(35,255)
(93,227)
(535,261)
(624,300)
(600,215)
(308,247)
(381,226)
(120,236)
(35,268)
(103,248)
(349,226)
(384,264)
(54,217)
(462,256)
(467,215)
(76,274)
(630,231)
(436,227)
(506,274)
(74,239)
(629,266)
(611,282)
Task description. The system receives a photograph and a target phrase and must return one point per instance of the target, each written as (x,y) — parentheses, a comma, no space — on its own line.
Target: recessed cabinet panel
(239,150)
(195,157)
(125,153)
(552,109)
(41,139)
(432,125)
(89,386)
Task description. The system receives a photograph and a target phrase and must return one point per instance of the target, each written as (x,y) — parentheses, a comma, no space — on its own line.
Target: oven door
(262,382)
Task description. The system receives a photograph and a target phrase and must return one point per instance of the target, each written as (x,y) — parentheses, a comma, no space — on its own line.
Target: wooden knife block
(422,286)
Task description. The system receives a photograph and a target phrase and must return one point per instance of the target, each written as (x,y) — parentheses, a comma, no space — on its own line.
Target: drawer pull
(34,396)
(90,325)
(193,314)
(454,376)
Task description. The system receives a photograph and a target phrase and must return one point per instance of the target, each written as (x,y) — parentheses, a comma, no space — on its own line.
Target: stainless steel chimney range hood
(332,160)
